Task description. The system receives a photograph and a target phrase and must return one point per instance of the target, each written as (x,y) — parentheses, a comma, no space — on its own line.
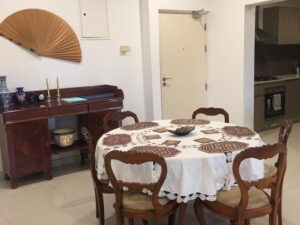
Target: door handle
(167,78)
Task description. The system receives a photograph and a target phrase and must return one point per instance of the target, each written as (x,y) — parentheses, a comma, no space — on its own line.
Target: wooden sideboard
(24,135)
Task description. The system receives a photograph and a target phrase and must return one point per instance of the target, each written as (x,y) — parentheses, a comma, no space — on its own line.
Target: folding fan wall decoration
(43,33)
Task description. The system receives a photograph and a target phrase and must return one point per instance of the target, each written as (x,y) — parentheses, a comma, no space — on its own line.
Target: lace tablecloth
(200,163)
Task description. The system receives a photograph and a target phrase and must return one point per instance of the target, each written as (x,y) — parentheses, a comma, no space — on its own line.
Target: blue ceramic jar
(5,97)
(20,93)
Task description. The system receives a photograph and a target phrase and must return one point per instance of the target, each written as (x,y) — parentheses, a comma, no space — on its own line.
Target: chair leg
(130,221)
(247,222)
(198,208)
(157,220)
(240,221)
(171,220)
(145,222)
(280,206)
(232,222)
(101,208)
(97,205)
(273,218)
(280,213)
(119,216)
(182,209)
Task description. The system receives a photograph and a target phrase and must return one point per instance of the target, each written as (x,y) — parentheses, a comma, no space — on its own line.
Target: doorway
(182,63)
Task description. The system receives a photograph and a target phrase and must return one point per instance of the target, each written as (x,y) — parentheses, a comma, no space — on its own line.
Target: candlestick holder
(49,99)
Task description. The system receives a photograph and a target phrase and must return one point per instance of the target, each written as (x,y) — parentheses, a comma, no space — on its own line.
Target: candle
(48,91)
(57,84)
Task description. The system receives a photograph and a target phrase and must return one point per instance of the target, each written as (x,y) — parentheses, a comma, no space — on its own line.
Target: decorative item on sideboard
(5,97)
(41,97)
(32,98)
(58,97)
(64,137)
(21,96)
(48,92)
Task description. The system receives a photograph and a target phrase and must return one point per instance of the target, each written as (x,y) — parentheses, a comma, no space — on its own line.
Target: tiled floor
(68,199)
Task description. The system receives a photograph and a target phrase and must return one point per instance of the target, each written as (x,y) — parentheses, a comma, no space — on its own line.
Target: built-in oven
(275,101)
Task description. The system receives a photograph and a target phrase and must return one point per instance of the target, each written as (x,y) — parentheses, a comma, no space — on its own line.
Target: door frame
(205,78)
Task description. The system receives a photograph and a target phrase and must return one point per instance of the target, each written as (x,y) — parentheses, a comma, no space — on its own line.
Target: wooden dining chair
(211,112)
(117,117)
(132,203)
(249,199)
(270,170)
(100,186)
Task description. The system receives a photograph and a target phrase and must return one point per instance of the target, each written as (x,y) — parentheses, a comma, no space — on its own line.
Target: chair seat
(102,181)
(270,170)
(257,198)
(139,201)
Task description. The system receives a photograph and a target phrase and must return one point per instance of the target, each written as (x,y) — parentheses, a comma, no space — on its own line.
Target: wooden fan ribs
(43,33)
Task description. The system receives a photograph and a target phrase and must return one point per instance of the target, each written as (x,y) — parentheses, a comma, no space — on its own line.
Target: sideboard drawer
(26,115)
(105,105)
(76,109)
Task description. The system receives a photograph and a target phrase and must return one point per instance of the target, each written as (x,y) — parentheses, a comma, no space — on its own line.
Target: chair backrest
(117,117)
(285,131)
(273,182)
(211,112)
(131,158)
(91,150)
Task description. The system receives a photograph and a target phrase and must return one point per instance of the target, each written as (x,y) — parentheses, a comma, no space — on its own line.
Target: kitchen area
(277,65)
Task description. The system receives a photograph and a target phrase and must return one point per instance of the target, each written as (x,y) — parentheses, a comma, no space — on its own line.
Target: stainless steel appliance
(275,101)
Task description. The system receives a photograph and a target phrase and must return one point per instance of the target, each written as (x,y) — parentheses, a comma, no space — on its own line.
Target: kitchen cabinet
(283,23)
(292,100)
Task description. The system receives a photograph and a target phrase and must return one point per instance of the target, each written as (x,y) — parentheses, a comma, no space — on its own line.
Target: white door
(182,64)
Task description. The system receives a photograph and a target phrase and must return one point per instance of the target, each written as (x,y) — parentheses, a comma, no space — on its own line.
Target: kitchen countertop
(281,78)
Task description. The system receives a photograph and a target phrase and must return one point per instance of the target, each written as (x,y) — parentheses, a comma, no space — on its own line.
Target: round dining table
(199,164)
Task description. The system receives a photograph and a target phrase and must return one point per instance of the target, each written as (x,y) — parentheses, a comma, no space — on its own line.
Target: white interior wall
(146,53)
(230,53)
(230,57)
(225,57)
(101,60)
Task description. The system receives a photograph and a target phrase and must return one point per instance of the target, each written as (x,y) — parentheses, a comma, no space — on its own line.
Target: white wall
(230,53)
(101,61)
(230,57)
(231,39)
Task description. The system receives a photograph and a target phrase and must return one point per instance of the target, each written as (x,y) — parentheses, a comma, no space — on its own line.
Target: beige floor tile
(88,207)
(74,186)
(53,216)
(291,199)
(25,183)
(3,221)
(25,200)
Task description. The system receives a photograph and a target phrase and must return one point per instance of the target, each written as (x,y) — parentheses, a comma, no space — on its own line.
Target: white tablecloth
(192,172)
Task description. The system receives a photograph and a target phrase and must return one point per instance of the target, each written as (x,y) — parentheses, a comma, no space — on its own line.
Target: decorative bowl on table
(181,131)
(64,137)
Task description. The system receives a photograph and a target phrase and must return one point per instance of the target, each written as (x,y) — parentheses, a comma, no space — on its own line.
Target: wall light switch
(124,49)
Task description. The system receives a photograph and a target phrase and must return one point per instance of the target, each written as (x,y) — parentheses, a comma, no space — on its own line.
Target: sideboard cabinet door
(29,149)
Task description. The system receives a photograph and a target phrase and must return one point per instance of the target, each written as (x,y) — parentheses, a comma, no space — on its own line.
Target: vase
(20,93)
(5,97)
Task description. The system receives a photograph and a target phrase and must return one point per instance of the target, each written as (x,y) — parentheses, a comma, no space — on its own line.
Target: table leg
(182,209)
